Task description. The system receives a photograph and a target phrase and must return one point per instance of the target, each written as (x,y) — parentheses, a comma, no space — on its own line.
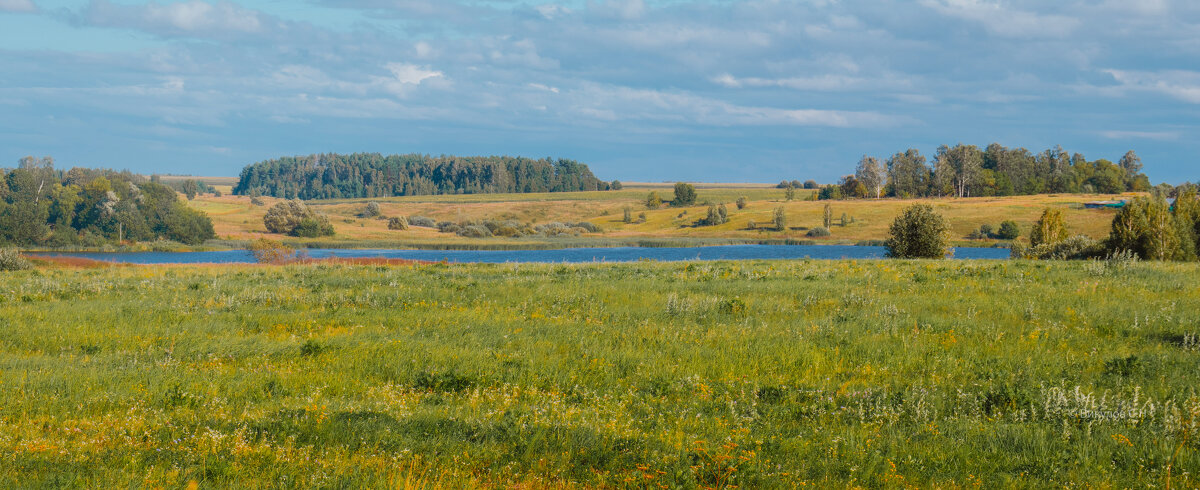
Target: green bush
(685,194)
(372,210)
(741,202)
(1078,247)
(475,231)
(819,232)
(653,200)
(716,216)
(296,219)
(919,232)
(1009,230)
(422,221)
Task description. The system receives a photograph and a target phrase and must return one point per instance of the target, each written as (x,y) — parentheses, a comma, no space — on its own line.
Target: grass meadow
(758,374)
(236,219)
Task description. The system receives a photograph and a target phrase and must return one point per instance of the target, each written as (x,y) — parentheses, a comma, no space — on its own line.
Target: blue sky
(756,90)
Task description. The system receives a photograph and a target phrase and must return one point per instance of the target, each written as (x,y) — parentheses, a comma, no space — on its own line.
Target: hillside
(237,219)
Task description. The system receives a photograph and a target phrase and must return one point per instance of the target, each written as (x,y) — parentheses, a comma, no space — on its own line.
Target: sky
(640,90)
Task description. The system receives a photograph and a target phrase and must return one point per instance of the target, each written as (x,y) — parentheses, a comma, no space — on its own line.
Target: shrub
(267,251)
(1050,228)
(685,194)
(641,217)
(616,185)
(716,216)
(297,219)
(780,219)
(475,231)
(312,227)
(741,202)
(398,223)
(789,193)
(11,260)
(751,225)
(653,200)
(1078,247)
(919,232)
(372,210)
(590,227)
(422,221)
(628,215)
(1009,230)
(819,232)
(830,192)
(810,184)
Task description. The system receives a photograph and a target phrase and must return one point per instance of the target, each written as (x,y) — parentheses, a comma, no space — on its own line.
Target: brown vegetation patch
(70,262)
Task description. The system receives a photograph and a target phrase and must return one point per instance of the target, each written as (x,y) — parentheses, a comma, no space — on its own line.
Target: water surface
(569,255)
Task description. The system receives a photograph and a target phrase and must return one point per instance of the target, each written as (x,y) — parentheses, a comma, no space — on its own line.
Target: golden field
(235,218)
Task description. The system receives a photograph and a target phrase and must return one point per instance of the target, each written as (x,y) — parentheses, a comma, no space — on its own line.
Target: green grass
(817,373)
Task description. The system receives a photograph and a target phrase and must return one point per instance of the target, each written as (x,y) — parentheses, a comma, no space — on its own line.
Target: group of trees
(365,175)
(966,170)
(189,187)
(1149,228)
(40,205)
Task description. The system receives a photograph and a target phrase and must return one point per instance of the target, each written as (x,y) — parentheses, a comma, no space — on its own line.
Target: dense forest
(332,176)
(40,205)
(966,171)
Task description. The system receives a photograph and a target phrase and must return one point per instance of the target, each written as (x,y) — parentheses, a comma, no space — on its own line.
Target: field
(757,374)
(867,219)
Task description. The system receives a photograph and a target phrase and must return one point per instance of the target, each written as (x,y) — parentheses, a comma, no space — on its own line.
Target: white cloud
(682,107)
(551,11)
(407,74)
(17,6)
(196,15)
(619,9)
(189,18)
(818,83)
(1142,135)
(1004,21)
(1179,84)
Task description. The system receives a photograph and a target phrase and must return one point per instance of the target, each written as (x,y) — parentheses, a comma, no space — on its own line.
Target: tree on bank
(685,194)
(1051,228)
(780,219)
(919,232)
(871,174)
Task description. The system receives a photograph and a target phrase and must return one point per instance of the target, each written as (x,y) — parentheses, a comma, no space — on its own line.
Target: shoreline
(497,246)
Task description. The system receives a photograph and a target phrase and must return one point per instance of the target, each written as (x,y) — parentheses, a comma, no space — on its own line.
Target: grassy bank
(237,220)
(759,374)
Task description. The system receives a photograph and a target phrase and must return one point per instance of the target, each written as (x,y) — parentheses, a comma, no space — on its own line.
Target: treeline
(360,175)
(43,206)
(967,171)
